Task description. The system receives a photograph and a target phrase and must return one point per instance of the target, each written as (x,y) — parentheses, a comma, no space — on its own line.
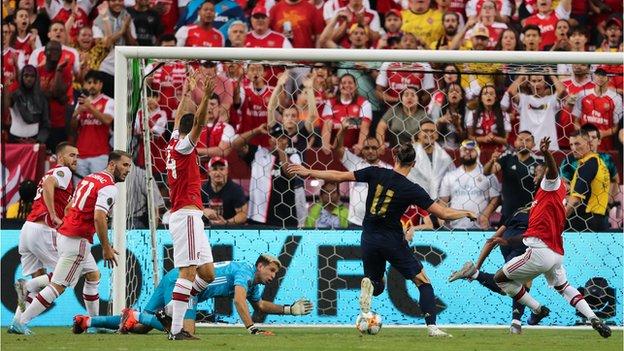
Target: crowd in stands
(474,126)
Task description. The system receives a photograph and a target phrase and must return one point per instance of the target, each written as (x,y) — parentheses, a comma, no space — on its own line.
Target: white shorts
(37,247)
(75,259)
(536,261)
(190,242)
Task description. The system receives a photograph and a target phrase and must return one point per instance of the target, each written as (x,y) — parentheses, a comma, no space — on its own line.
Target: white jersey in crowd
(537,114)
(470,191)
(358,191)
(428,173)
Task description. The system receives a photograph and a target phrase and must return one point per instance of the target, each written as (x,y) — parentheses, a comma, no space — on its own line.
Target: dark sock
(518,309)
(427,303)
(487,280)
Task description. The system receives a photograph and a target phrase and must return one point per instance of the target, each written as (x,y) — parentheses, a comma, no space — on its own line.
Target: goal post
(124,55)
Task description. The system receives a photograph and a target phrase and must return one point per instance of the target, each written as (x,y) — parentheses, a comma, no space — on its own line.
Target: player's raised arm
(201,114)
(332,176)
(448,213)
(552,172)
(186,102)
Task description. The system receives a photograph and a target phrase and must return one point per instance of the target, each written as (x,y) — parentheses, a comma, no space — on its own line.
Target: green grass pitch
(324,339)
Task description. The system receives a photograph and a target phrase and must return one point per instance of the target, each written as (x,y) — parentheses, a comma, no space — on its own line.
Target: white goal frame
(125,53)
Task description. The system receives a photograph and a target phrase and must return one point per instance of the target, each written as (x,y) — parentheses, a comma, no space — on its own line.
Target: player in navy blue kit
(390,193)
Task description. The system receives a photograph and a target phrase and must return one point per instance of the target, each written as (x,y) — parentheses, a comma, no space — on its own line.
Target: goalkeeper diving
(239,280)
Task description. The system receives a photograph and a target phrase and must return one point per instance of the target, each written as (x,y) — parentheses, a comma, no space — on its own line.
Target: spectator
(38,21)
(57,33)
(358,36)
(532,38)
(450,116)
(546,19)
(168,79)
(92,122)
(467,188)
(300,132)
(146,22)
(297,21)
(352,162)
(600,106)
(329,213)
(509,40)
(168,10)
(261,36)
(488,124)
(432,162)
(450,22)
(157,124)
(355,13)
(332,6)
(114,26)
(402,121)
(25,39)
(217,136)
(28,108)
(56,83)
(502,9)
(579,37)
(225,201)
(203,33)
(254,100)
(579,80)
(394,77)
(487,18)
(223,87)
(137,200)
(613,43)
(226,12)
(73,14)
(422,21)
(589,189)
(237,34)
(13,60)
(271,190)
(562,41)
(518,171)
(451,74)
(91,53)
(348,106)
(392,29)
(538,109)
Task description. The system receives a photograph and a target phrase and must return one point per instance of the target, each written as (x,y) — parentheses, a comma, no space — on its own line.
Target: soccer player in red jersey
(191,249)
(37,245)
(203,33)
(544,254)
(91,203)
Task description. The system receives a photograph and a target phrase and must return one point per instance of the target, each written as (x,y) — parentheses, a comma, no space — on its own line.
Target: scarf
(428,174)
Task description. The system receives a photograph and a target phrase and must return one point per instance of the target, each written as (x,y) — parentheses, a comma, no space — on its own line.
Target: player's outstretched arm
(186,102)
(240,302)
(332,176)
(490,244)
(552,171)
(297,308)
(201,113)
(448,213)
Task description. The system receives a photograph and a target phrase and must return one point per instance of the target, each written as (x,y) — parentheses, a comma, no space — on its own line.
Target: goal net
(475,119)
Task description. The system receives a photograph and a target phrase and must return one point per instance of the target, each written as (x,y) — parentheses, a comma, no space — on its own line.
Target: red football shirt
(305,25)
(603,111)
(62,195)
(396,76)
(93,134)
(57,109)
(183,175)
(97,191)
(547,218)
(168,81)
(337,110)
(196,35)
(254,106)
(565,127)
(547,24)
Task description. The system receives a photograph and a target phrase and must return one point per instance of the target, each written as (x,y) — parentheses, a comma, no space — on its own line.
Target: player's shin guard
(91,297)
(199,285)
(150,320)
(43,300)
(180,298)
(487,280)
(427,303)
(575,298)
(108,322)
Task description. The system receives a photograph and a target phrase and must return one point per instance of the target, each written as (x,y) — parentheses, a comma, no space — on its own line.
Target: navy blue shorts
(375,254)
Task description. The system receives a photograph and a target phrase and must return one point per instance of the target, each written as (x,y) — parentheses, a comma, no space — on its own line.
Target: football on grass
(368,323)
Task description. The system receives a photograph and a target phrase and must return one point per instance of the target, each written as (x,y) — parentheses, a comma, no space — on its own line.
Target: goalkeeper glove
(299,307)
(253,330)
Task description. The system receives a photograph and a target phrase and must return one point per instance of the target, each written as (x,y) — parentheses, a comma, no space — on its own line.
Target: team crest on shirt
(270,42)
(109,201)
(60,174)
(607,106)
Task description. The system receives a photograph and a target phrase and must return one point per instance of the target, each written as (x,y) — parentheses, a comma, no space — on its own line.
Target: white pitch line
(408,326)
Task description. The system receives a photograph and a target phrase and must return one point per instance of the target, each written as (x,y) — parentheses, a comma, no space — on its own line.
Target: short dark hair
(531,27)
(405,154)
(186,123)
(589,127)
(116,155)
(62,146)
(527,132)
(582,30)
(451,13)
(93,74)
(168,37)
(426,121)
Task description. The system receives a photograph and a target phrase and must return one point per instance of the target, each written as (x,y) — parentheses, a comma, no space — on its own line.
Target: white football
(368,323)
